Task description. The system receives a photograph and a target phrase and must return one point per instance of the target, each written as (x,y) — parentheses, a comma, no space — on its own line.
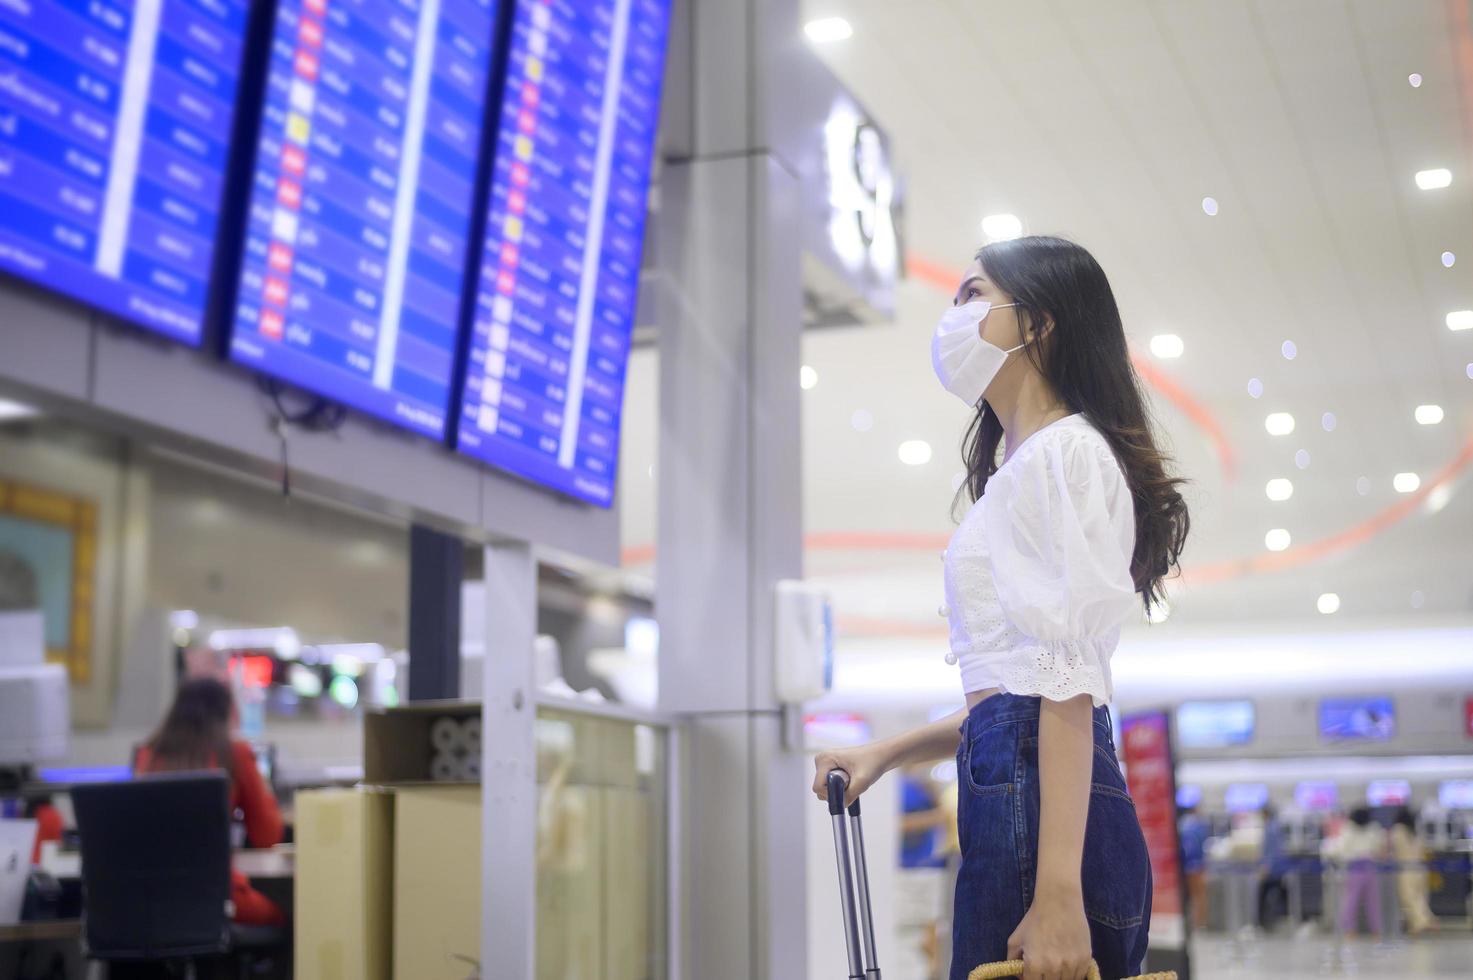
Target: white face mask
(964,362)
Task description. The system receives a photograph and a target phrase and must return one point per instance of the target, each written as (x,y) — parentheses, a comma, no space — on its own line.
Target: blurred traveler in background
(1273,893)
(1194,833)
(1360,845)
(1411,873)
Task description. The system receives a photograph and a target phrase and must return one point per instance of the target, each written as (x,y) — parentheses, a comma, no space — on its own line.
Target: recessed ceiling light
(1289,350)
(1406,482)
(1276,540)
(1301,459)
(1001,227)
(1459,320)
(1328,422)
(1328,604)
(807,377)
(862,420)
(1363,486)
(1419,599)
(1167,346)
(1255,388)
(915,452)
(1280,489)
(1448,259)
(1433,180)
(1414,80)
(1279,424)
(1440,497)
(1429,414)
(828,29)
(16,410)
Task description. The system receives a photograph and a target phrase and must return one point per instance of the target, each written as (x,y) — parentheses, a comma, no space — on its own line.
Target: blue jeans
(997,767)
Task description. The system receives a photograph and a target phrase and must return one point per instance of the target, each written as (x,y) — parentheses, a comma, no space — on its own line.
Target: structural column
(436,568)
(730,491)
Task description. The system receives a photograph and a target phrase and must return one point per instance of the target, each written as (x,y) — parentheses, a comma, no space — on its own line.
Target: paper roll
(445,768)
(470,731)
(470,768)
(447,735)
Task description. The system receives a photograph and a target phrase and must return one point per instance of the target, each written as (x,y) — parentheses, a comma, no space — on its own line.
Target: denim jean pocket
(991,759)
(1116,872)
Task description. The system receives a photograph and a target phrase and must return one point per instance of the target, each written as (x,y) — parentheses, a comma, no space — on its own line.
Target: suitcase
(854,880)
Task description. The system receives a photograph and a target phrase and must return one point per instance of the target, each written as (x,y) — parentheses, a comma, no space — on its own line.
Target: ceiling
(1109,124)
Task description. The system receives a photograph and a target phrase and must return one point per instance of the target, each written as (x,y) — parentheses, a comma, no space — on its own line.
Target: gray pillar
(730,521)
(509,766)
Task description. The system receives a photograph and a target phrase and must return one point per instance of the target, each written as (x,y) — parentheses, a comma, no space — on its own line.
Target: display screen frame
(249,162)
(217,282)
(484,337)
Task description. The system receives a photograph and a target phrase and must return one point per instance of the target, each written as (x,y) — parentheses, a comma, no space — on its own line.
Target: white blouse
(1038,576)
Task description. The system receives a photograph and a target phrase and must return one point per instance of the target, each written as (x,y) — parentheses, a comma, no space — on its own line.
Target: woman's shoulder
(241,753)
(1067,446)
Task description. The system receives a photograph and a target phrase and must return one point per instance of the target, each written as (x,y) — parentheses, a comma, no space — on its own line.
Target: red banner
(1468,716)
(1151,774)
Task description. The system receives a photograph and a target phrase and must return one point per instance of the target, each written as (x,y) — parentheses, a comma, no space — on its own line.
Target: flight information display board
(361,201)
(115,125)
(559,276)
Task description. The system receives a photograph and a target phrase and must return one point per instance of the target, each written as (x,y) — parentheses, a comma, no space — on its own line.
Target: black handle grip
(838,782)
(854,808)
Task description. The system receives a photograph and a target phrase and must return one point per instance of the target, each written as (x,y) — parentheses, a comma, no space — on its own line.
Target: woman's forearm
(1065,767)
(935,741)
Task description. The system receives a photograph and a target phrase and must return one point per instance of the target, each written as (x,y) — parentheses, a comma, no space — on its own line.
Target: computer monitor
(1455,794)
(1317,796)
(1246,797)
(1214,724)
(1389,792)
(1357,719)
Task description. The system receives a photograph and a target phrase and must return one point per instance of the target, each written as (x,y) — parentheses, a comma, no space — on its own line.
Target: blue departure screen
(115,122)
(361,198)
(559,277)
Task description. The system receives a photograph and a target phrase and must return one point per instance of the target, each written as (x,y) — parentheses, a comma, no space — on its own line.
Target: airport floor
(1291,958)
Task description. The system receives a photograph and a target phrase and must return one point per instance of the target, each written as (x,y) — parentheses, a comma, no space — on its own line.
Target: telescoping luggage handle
(849,874)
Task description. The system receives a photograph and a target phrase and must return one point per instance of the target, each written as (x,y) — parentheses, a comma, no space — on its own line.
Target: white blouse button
(951,658)
(943,611)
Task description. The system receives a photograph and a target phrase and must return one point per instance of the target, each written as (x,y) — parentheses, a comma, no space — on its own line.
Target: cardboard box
(437,882)
(396,741)
(344,884)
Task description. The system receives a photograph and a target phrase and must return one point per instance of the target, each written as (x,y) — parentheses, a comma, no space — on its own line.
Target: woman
(1067,537)
(1359,848)
(1411,873)
(196,735)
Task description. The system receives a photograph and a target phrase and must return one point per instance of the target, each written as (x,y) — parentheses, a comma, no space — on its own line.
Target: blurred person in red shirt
(196,735)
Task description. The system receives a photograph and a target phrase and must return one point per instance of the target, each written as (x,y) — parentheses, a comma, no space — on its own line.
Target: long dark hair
(196,732)
(1085,359)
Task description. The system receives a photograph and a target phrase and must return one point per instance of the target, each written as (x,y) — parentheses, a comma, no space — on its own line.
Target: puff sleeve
(1060,526)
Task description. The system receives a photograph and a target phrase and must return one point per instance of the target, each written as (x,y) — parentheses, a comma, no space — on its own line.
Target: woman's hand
(1053,939)
(863,765)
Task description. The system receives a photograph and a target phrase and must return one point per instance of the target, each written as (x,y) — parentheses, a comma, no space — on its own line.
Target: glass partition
(602,842)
